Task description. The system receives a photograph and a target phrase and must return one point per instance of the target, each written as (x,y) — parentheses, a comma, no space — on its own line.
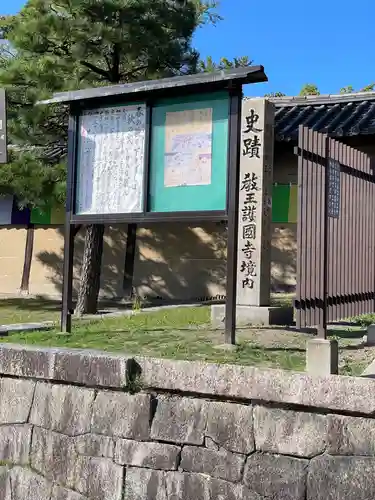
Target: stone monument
(254,220)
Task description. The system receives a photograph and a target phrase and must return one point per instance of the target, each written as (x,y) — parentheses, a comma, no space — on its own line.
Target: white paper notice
(111,160)
(188,148)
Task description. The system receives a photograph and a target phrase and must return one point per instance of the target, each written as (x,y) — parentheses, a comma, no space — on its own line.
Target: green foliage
(347,90)
(275,94)
(350,89)
(137,303)
(364,320)
(209,65)
(309,89)
(368,88)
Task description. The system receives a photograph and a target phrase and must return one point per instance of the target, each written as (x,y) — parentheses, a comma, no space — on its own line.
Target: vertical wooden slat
(341,226)
(336,264)
(309,239)
(320,229)
(356,233)
(350,242)
(362,241)
(359,231)
(371,221)
(366,206)
(366,230)
(313,232)
(338,251)
(299,228)
(303,229)
(330,247)
(353,236)
(345,204)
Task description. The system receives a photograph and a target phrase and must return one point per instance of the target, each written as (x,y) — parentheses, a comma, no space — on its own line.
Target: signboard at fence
(188,154)
(110,168)
(3,128)
(188,148)
(334,187)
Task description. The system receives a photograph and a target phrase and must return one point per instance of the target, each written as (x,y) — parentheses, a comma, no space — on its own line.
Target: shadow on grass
(31,304)
(290,349)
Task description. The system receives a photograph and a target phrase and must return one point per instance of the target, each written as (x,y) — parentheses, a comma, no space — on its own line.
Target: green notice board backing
(188,198)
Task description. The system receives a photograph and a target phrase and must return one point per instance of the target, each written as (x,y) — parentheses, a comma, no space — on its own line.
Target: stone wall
(78,425)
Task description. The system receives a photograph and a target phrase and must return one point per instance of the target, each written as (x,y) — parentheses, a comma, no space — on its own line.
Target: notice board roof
(216,81)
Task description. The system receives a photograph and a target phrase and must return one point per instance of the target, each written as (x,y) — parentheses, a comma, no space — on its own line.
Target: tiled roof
(339,115)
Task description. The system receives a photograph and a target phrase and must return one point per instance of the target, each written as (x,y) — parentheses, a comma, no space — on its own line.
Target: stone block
(90,368)
(370,337)
(16,398)
(180,420)
(54,456)
(146,484)
(186,486)
(276,476)
(15,441)
(337,393)
(26,485)
(222,490)
(62,408)
(322,356)
(99,478)
(221,464)
(4,483)
(351,435)
(26,361)
(94,445)
(289,432)
(122,415)
(230,426)
(149,455)
(253,315)
(59,493)
(341,478)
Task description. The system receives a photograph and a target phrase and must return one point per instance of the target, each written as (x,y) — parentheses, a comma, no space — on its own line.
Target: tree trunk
(89,287)
(27,259)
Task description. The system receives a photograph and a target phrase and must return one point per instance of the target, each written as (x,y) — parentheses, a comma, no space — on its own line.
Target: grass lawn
(184,333)
(32,310)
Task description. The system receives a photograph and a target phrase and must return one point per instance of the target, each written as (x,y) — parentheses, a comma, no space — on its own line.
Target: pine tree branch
(126,76)
(95,69)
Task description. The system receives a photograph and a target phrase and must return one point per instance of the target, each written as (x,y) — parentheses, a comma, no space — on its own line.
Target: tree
(68,44)
(309,89)
(209,65)
(275,94)
(350,89)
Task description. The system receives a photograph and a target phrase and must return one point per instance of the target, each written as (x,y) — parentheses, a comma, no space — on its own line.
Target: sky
(328,42)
